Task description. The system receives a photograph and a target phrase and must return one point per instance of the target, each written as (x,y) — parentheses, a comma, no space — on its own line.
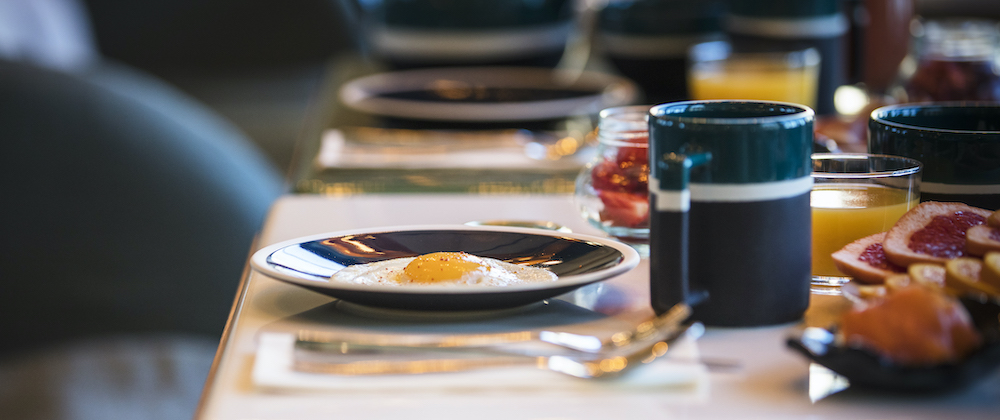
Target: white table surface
(771,382)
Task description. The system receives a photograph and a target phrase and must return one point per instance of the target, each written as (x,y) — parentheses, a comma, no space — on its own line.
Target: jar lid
(623,124)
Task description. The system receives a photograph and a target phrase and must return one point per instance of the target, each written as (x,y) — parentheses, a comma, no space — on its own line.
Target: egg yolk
(442,266)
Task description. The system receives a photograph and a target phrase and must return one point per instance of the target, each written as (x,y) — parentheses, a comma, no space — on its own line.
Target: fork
(578,342)
(607,366)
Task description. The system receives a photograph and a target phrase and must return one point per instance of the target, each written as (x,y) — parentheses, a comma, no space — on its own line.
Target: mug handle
(673,195)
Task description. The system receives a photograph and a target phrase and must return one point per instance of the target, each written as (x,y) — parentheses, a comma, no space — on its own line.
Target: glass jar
(952,60)
(612,190)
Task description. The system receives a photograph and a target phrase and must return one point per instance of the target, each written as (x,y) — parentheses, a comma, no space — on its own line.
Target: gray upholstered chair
(128,211)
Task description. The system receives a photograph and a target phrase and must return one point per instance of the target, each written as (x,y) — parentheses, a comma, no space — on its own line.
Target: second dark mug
(730,215)
(957,142)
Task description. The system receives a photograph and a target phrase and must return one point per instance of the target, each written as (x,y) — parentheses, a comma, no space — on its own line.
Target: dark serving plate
(486,94)
(867,369)
(577,259)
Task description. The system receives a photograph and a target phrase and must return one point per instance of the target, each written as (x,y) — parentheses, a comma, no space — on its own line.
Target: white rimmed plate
(577,259)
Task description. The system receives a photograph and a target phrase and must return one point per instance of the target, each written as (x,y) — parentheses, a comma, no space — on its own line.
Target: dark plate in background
(486,94)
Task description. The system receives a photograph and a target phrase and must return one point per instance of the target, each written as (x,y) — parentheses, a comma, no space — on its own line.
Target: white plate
(487,94)
(577,259)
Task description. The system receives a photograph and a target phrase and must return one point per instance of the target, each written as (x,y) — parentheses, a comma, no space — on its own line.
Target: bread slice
(991,269)
(865,261)
(963,274)
(994,219)
(932,232)
(982,239)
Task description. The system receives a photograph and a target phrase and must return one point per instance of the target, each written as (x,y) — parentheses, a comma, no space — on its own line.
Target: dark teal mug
(958,143)
(730,217)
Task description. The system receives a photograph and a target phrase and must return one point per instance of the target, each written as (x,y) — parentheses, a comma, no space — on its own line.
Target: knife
(316,340)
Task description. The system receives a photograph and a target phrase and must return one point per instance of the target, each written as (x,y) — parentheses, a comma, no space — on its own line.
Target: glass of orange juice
(855,195)
(718,72)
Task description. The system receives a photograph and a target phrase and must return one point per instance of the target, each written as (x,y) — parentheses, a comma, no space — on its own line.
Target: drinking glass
(855,195)
(718,72)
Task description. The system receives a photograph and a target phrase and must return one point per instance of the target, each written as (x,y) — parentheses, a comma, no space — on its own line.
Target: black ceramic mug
(730,220)
(958,144)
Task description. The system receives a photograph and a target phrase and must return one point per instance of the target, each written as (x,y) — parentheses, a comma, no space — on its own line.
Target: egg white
(496,273)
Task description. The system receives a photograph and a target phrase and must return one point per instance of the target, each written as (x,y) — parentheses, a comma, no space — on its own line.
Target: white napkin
(677,371)
(504,151)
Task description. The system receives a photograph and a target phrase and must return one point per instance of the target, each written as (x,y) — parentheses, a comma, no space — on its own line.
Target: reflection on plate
(866,369)
(578,260)
(487,94)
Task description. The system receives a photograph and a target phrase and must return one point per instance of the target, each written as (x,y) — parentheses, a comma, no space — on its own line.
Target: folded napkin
(441,150)
(678,371)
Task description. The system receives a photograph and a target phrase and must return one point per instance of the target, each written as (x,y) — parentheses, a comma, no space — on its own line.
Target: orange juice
(843,213)
(756,80)
(784,77)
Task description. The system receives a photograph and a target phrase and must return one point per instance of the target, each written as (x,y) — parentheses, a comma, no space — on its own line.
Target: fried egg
(442,268)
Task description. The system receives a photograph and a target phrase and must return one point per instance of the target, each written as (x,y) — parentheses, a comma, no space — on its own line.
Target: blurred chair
(258,63)
(129,211)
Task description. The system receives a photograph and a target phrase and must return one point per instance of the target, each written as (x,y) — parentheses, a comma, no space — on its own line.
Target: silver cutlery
(609,365)
(317,340)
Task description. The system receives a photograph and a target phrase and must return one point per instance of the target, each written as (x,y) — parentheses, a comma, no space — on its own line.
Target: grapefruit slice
(932,232)
(865,260)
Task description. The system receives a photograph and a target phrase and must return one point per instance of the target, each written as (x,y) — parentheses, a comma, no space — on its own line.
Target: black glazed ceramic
(730,215)
(958,143)
(866,369)
(578,260)
(486,94)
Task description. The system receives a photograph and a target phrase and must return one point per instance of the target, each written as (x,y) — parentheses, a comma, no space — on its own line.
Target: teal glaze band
(957,142)
(750,142)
